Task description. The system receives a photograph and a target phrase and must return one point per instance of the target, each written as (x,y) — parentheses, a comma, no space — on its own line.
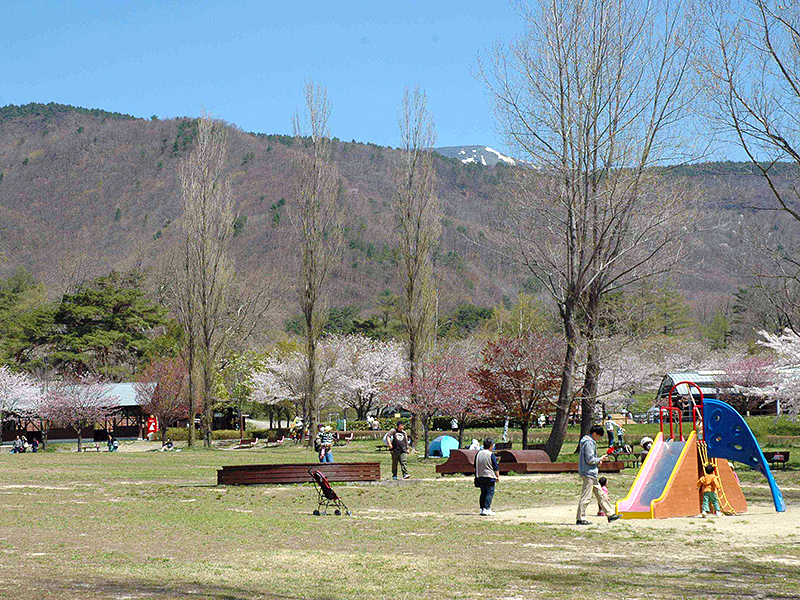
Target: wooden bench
(517,461)
(342,438)
(781,458)
(297,473)
(276,441)
(251,443)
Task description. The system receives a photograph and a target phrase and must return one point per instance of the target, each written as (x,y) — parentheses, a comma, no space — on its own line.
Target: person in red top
(709,485)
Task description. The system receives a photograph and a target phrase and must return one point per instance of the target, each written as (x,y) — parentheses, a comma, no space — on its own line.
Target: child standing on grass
(602,481)
(709,485)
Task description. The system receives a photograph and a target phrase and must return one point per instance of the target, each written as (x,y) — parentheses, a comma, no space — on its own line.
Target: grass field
(155,525)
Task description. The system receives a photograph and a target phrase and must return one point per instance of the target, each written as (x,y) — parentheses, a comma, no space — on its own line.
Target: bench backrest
(524,456)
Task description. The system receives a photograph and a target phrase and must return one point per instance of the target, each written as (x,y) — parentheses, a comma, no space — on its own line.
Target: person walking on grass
(587,468)
(487,474)
(398,441)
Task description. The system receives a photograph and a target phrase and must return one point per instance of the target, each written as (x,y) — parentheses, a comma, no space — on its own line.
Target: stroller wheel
(316,512)
(337,512)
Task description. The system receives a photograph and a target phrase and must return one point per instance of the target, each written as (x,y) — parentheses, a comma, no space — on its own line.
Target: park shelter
(442,445)
(710,384)
(126,421)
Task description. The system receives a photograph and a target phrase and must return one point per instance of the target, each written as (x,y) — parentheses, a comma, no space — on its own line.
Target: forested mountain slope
(86,191)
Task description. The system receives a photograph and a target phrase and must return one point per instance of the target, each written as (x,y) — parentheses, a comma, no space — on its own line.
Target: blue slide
(728,436)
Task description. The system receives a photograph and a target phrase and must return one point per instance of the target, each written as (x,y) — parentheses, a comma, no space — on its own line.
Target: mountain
(85,191)
(482,155)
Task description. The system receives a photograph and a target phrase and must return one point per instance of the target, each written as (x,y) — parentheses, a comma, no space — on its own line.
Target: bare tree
(211,305)
(590,96)
(418,222)
(319,225)
(204,271)
(752,69)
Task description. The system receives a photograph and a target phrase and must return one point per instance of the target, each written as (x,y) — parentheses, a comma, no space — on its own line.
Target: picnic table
(631,460)
(780,457)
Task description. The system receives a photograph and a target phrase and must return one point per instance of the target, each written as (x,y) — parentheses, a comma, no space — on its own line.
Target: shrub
(238,224)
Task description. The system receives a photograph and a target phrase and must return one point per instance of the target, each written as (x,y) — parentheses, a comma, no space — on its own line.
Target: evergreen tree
(105,326)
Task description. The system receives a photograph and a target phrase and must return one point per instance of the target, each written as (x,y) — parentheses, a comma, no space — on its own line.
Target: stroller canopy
(442,445)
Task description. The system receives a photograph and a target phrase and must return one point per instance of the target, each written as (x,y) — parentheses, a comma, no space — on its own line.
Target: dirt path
(760,525)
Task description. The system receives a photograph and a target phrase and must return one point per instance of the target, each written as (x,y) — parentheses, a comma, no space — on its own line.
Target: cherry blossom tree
(285,377)
(464,402)
(747,381)
(366,366)
(521,376)
(17,391)
(787,347)
(161,392)
(440,379)
(77,402)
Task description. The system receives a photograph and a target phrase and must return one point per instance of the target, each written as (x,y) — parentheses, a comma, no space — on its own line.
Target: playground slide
(652,480)
(728,436)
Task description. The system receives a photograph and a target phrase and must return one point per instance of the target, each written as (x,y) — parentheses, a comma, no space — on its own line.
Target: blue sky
(246,62)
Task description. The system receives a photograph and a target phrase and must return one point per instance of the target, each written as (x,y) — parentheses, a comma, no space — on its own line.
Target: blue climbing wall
(728,436)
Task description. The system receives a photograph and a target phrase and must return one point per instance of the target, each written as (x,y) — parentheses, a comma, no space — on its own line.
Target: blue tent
(442,445)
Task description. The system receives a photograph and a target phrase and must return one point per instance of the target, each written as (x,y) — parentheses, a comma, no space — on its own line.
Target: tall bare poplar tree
(418,222)
(318,221)
(590,96)
(204,273)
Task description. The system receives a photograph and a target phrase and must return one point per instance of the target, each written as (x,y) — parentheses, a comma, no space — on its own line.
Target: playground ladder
(702,449)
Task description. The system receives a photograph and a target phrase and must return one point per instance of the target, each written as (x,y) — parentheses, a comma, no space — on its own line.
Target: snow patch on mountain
(502,157)
(483,155)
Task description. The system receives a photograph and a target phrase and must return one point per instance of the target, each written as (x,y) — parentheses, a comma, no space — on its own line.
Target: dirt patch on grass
(760,524)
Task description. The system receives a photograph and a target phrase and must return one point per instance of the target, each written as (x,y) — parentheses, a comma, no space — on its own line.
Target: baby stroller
(325,495)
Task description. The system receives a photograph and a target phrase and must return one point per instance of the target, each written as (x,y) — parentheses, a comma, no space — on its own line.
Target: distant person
(620,436)
(603,481)
(709,486)
(487,474)
(647,444)
(168,446)
(610,426)
(399,441)
(17,446)
(588,462)
(35,445)
(475,445)
(453,424)
(542,420)
(110,443)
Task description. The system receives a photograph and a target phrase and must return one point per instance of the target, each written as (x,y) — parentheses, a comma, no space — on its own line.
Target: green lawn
(155,525)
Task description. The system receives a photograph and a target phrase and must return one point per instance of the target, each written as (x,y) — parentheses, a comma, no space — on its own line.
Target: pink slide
(642,493)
